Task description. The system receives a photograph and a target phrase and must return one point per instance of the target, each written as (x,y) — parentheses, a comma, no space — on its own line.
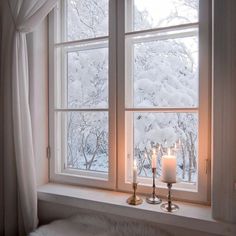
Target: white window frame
(183,191)
(58,172)
(117,176)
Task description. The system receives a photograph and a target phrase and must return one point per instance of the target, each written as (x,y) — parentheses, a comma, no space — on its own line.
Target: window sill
(190,216)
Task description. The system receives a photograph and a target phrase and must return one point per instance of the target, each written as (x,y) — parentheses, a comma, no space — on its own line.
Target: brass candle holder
(153,199)
(169,206)
(134,199)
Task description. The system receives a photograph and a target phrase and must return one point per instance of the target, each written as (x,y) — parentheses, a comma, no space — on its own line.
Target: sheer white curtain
(20,196)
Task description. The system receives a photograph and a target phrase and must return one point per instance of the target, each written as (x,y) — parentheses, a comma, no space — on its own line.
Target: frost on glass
(178,131)
(87,78)
(86,19)
(87,140)
(163,13)
(165,73)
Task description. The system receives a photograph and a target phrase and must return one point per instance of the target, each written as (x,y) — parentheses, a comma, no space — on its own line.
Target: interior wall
(51,211)
(224,111)
(1,132)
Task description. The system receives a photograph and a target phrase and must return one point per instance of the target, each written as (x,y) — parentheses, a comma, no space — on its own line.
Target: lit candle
(179,142)
(169,168)
(135,172)
(154,159)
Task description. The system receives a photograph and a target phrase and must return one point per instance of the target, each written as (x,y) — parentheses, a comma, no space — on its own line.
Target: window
(129,77)
(83,124)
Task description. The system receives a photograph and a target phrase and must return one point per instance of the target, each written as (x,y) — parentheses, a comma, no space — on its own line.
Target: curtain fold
(19,177)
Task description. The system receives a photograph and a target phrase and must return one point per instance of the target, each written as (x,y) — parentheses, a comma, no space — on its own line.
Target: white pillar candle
(169,168)
(135,172)
(154,159)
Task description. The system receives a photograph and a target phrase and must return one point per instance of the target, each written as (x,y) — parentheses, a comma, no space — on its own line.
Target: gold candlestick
(153,199)
(169,206)
(134,199)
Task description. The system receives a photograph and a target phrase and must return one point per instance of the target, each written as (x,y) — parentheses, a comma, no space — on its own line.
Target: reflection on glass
(87,140)
(160,131)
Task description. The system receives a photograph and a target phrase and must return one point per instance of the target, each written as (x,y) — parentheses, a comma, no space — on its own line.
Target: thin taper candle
(154,158)
(135,172)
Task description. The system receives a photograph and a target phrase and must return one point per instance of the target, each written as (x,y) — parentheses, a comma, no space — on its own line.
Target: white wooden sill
(190,216)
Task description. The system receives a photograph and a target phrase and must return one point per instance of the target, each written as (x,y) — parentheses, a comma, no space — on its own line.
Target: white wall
(224,111)
(1,139)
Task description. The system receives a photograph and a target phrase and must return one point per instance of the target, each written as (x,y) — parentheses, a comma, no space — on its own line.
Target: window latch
(48,152)
(208,165)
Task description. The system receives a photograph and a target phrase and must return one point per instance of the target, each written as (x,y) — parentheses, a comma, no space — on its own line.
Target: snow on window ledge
(190,216)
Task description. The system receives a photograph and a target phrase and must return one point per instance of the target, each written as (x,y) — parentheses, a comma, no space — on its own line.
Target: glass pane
(87,78)
(86,19)
(165,73)
(162,13)
(178,131)
(86,140)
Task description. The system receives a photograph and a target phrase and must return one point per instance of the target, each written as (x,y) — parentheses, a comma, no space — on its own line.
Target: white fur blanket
(88,225)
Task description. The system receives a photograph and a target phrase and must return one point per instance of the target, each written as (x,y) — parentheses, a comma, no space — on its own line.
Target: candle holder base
(153,200)
(134,200)
(169,207)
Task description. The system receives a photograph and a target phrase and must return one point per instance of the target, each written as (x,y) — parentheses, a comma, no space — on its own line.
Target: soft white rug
(88,225)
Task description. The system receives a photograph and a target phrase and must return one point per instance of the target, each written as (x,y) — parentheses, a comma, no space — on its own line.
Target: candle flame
(168,151)
(153,151)
(179,142)
(135,164)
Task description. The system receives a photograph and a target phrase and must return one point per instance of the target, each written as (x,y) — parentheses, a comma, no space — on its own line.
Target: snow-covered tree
(165,74)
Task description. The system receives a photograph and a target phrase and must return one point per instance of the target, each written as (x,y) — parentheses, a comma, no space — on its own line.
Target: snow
(165,74)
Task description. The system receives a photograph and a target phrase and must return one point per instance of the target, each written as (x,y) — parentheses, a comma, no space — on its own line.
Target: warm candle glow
(169,163)
(179,142)
(154,151)
(154,158)
(168,152)
(135,164)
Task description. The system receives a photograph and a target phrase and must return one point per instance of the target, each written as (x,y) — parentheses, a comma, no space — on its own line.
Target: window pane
(87,140)
(87,77)
(86,19)
(178,131)
(165,73)
(162,13)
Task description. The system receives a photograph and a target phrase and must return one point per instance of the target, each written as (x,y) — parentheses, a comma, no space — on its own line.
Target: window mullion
(147,38)
(80,109)
(82,41)
(163,109)
(164,29)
